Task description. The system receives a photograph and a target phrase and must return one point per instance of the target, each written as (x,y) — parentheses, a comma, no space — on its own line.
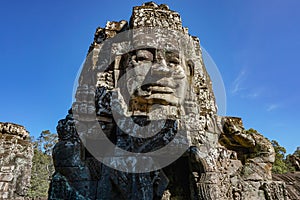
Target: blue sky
(255,45)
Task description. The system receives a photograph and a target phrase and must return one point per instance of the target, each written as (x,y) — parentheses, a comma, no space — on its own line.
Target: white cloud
(236,85)
(272,107)
(255,93)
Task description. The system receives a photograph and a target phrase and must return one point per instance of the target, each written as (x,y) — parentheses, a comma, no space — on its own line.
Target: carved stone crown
(13,129)
(152,15)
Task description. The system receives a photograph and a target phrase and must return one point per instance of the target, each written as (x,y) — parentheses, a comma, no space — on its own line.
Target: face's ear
(190,68)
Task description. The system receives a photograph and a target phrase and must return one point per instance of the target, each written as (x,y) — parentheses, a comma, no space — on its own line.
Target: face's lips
(157,88)
(157,94)
(161,90)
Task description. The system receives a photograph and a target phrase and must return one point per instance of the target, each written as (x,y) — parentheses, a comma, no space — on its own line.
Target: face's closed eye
(172,58)
(144,55)
(152,55)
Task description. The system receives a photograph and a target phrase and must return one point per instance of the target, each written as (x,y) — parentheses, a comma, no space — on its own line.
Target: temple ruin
(16,154)
(140,75)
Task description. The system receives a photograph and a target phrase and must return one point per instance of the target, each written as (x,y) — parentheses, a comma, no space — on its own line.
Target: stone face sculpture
(16,154)
(150,73)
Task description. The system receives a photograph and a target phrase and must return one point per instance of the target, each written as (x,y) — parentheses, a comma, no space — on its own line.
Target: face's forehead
(154,39)
(163,40)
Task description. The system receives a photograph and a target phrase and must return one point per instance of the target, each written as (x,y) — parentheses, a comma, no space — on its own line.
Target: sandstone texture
(144,70)
(292,182)
(16,154)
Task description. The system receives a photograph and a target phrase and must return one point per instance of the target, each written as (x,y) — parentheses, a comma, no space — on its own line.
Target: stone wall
(16,154)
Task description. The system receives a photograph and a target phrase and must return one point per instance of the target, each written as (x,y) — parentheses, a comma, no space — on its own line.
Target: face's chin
(155,105)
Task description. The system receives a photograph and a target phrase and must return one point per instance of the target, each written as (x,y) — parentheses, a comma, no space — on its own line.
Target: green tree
(46,141)
(282,163)
(42,164)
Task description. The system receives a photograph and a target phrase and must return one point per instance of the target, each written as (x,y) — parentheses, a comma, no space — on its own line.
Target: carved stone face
(156,77)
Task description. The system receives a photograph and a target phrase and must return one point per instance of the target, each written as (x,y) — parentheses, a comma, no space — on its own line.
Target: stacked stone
(223,161)
(153,15)
(16,154)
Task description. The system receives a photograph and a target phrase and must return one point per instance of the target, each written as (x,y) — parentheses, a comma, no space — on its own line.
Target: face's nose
(160,66)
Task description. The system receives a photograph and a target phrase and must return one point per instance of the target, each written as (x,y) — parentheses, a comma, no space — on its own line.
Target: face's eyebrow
(144,54)
(174,53)
(151,50)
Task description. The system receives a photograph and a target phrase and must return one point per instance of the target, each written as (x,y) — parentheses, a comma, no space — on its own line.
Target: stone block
(4,195)
(75,173)
(4,186)
(15,161)
(7,169)
(6,177)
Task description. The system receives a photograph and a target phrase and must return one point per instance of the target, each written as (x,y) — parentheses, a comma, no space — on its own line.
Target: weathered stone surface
(291,180)
(161,68)
(253,150)
(292,183)
(295,162)
(16,154)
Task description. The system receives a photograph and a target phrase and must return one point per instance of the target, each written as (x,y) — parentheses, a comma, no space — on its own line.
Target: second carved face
(156,76)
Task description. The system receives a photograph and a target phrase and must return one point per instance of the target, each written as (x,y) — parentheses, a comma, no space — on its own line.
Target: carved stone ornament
(144,124)
(16,154)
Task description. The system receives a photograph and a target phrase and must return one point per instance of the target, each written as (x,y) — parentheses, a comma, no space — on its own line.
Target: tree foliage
(46,141)
(42,164)
(282,163)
